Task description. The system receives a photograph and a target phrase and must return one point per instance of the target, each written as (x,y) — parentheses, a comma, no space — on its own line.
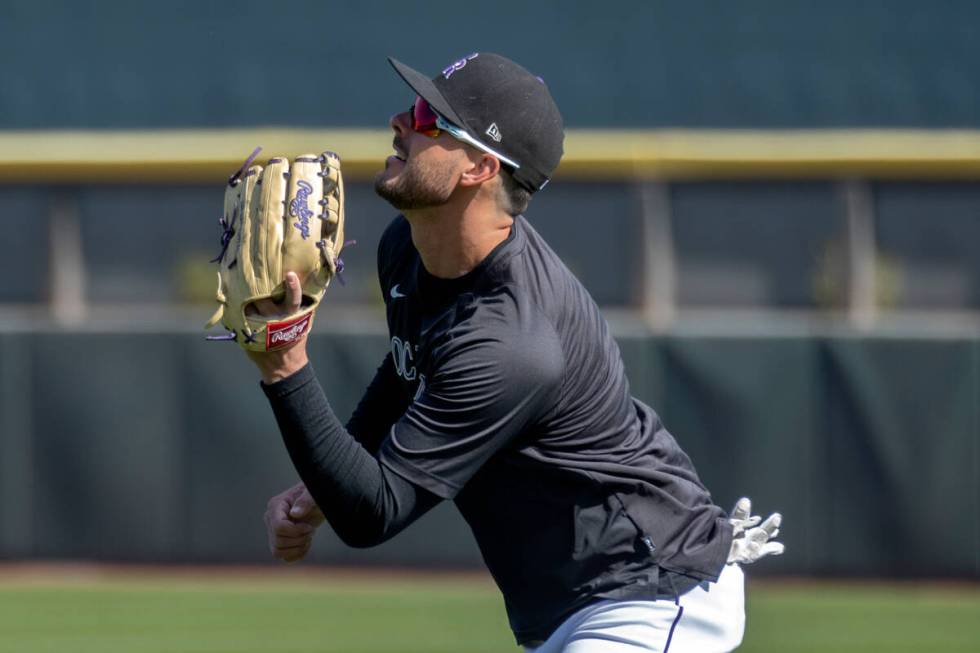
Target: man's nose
(398,122)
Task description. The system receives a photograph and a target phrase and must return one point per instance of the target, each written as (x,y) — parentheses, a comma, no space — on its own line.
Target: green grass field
(204,612)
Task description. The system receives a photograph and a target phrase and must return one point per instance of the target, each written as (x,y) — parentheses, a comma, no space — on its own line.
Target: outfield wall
(697,63)
(160,446)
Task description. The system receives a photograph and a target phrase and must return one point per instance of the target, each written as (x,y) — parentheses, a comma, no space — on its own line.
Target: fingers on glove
(333,201)
(267,226)
(251,218)
(772,549)
(742,518)
(759,538)
(769,529)
(771,525)
(755,543)
(331,171)
(220,311)
(746,524)
(742,509)
(301,227)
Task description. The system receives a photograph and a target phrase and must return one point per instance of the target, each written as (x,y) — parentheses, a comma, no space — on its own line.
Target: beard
(417,187)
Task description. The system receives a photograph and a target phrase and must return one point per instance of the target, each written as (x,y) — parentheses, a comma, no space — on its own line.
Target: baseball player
(505,393)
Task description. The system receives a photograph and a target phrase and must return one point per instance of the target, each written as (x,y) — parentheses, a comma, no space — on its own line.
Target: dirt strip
(83,573)
(61,573)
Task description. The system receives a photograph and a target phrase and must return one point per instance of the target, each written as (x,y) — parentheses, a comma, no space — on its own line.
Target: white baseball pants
(707,619)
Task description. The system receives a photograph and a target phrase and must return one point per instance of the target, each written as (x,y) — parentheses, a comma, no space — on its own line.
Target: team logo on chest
(403,355)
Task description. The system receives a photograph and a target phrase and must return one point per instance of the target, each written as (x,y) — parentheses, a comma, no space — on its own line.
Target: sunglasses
(427,122)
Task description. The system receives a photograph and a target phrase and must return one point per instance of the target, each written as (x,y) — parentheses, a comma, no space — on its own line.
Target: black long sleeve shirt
(505,392)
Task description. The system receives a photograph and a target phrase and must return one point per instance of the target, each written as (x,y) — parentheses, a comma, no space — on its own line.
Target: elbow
(355,524)
(361,535)
(357,540)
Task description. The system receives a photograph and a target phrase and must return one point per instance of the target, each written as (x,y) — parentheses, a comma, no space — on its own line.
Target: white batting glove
(751,542)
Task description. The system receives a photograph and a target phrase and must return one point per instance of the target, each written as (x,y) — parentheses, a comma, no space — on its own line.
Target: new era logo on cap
(494,132)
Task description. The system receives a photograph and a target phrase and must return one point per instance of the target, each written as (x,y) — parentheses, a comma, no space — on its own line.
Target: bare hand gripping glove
(284,218)
(751,542)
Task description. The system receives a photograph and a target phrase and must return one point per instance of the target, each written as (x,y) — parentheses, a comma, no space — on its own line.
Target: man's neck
(451,242)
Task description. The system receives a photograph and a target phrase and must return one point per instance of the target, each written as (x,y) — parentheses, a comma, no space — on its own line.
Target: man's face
(422,173)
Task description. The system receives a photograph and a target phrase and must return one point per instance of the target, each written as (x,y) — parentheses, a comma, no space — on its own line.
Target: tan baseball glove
(288,217)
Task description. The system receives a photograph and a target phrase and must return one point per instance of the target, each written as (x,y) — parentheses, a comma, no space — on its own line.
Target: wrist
(278,365)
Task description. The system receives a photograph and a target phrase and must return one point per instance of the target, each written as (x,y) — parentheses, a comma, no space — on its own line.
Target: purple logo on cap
(448,72)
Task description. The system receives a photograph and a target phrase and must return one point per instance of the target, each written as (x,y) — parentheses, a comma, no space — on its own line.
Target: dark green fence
(160,447)
(692,63)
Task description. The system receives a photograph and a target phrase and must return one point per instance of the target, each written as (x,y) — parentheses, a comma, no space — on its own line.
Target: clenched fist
(291,519)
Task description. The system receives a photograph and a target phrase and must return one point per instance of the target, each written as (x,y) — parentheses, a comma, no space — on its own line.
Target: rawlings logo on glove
(299,208)
(281,334)
(267,226)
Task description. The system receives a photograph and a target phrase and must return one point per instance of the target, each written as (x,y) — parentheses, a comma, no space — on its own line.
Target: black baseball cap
(500,104)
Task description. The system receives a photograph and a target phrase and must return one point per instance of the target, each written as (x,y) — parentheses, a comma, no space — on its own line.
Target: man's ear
(483,167)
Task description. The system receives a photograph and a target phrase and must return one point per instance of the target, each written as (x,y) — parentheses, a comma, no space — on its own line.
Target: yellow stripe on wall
(210,155)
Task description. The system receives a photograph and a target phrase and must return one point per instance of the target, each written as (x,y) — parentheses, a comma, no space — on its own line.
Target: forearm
(363,501)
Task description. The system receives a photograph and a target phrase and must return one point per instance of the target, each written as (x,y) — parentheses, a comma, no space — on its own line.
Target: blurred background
(776,204)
